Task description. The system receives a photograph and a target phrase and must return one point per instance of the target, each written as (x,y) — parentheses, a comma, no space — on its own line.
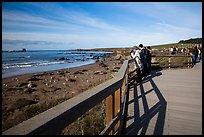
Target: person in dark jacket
(143,58)
(149,58)
(195,54)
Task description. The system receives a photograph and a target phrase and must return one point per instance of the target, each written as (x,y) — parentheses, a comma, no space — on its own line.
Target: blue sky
(71,25)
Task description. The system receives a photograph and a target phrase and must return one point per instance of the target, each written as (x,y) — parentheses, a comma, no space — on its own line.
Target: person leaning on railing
(135,54)
(149,58)
(195,54)
(199,55)
(143,59)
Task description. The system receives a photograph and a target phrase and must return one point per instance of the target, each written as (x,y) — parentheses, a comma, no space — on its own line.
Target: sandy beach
(26,95)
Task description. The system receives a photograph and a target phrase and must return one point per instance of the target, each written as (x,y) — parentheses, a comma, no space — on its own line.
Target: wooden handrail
(171,55)
(175,56)
(53,120)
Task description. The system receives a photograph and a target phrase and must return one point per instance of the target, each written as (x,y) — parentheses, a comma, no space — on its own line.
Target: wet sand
(26,95)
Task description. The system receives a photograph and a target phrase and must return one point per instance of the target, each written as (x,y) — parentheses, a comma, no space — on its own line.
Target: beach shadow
(141,123)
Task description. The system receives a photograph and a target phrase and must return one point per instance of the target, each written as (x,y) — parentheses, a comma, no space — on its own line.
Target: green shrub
(91,123)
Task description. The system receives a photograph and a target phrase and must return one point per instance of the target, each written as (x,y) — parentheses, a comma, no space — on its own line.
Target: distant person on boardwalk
(149,58)
(135,54)
(173,50)
(143,58)
(187,51)
(199,55)
(195,54)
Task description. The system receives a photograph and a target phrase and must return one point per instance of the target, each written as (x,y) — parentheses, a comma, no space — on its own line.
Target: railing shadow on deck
(141,123)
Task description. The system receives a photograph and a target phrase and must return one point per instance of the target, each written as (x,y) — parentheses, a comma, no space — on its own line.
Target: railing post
(125,109)
(112,109)
(188,62)
(117,107)
(122,89)
(169,62)
(191,62)
(109,111)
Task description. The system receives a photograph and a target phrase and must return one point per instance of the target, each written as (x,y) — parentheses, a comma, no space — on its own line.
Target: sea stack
(23,50)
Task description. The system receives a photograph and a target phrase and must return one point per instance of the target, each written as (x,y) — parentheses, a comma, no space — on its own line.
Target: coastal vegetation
(90,123)
(192,41)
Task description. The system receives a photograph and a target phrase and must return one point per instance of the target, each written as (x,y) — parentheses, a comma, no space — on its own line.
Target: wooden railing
(54,120)
(190,64)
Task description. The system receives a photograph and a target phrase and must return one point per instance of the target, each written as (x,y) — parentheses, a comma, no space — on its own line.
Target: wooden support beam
(117,107)
(169,62)
(109,111)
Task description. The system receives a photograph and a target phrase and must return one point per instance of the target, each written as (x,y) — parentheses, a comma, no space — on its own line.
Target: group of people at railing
(142,57)
(194,51)
(196,54)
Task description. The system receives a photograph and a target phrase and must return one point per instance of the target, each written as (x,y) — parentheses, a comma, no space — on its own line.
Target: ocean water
(16,63)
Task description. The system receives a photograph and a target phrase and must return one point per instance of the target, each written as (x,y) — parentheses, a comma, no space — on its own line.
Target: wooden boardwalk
(169,102)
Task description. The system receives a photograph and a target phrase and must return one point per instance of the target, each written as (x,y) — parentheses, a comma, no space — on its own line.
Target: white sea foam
(49,63)
(31,64)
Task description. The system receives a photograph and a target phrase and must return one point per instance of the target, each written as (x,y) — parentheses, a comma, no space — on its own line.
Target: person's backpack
(148,57)
(143,55)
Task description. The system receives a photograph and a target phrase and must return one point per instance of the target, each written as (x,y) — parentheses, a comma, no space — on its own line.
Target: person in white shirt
(199,55)
(135,54)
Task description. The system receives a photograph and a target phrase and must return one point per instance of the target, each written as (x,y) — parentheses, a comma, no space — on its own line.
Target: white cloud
(16,19)
(71,21)
(176,30)
(171,12)
(87,20)
(21,16)
(78,16)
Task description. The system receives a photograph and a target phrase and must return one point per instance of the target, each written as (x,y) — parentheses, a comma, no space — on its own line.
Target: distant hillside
(192,41)
(182,43)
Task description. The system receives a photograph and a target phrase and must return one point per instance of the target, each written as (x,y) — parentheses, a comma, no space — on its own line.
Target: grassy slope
(153,46)
(170,45)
